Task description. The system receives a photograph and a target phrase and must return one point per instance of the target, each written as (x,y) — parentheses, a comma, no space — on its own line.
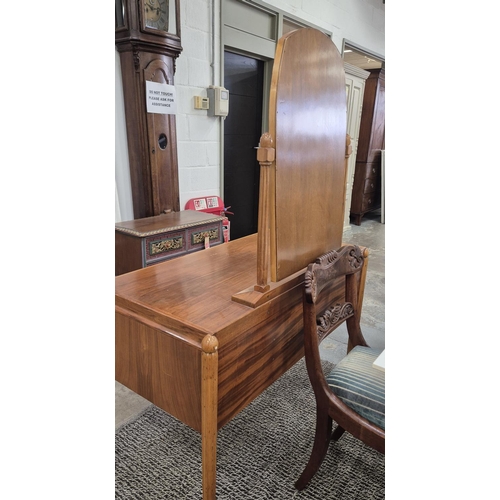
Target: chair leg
(320,447)
(337,433)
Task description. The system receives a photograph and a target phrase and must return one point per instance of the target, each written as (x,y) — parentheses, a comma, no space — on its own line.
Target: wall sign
(160,98)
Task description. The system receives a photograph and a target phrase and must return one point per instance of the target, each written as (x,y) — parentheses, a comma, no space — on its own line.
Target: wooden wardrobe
(366,189)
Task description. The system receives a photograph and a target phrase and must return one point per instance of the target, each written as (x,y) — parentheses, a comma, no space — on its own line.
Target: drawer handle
(372,185)
(374,170)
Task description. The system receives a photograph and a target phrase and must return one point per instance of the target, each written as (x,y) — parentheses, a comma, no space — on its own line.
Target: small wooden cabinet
(143,242)
(366,189)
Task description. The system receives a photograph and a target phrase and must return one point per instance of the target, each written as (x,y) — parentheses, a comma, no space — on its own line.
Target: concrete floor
(371,234)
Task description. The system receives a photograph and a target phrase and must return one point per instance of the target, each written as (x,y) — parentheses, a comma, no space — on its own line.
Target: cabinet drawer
(370,202)
(372,170)
(196,236)
(164,245)
(366,171)
(371,185)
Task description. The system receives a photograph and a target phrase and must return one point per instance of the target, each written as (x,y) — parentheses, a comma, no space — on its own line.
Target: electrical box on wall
(218,98)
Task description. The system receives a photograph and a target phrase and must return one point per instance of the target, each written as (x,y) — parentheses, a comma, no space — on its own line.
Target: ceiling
(361,60)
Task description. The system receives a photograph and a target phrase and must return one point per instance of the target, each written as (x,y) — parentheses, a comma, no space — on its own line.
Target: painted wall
(199,136)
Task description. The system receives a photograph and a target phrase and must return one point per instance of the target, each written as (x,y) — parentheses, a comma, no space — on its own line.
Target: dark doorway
(244,78)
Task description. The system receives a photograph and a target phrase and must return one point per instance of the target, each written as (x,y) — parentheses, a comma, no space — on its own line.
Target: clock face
(156,14)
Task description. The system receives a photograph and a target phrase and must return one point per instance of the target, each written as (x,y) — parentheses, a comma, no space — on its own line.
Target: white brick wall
(197,134)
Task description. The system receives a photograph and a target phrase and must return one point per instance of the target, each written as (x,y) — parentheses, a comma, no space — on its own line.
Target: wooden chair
(353,394)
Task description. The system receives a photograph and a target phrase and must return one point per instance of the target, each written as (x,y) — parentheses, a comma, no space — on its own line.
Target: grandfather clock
(147,36)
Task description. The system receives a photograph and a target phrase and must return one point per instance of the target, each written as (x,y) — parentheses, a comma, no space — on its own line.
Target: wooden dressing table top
(192,293)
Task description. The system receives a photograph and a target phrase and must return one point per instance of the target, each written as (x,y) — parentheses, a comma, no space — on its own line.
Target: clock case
(148,54)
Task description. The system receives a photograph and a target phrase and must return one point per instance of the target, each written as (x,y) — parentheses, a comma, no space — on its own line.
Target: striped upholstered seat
(359,385)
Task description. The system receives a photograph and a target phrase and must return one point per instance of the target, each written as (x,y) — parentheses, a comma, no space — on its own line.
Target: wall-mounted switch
(200,102)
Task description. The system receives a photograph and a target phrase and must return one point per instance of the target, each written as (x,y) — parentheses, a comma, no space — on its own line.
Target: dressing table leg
(209,381)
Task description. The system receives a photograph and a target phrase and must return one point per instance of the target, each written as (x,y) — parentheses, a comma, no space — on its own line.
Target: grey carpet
(260,453)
